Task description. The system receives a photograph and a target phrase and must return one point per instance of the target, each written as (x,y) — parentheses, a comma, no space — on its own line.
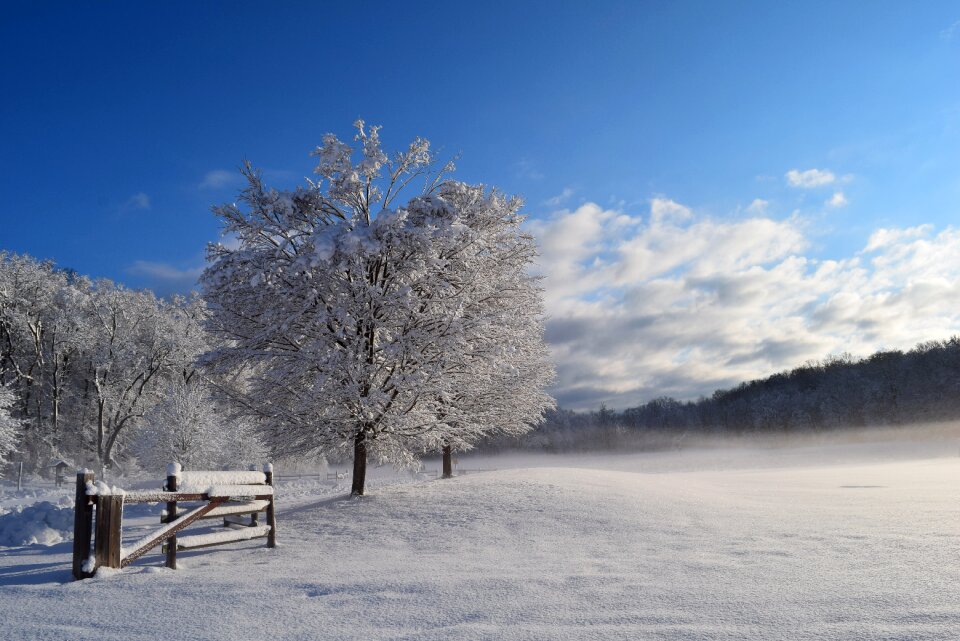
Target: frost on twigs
(354,323)
(10,427)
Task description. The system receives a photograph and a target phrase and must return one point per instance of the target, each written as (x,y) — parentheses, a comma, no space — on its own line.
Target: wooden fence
(225,495)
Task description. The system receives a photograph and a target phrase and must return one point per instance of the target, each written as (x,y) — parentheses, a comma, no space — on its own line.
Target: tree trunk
(359,464)
(447,462)
(101,459)
(56,398)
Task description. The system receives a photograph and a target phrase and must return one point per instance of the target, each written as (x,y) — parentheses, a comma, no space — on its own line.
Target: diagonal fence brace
(151,541)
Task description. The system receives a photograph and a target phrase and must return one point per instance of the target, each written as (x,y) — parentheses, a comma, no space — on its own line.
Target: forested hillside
(889,388)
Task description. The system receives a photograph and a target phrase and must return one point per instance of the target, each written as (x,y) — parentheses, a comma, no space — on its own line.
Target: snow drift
(45,523)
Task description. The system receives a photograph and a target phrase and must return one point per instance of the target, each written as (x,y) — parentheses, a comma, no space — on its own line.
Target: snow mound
(45,523)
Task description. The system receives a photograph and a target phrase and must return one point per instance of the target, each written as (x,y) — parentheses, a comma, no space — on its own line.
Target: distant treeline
(888,388)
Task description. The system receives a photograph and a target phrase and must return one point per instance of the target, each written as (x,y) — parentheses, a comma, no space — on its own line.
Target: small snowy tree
(496,380)
(135,344)
(9,426)
(344,313)
(184,427)
(191,428)
(241,442)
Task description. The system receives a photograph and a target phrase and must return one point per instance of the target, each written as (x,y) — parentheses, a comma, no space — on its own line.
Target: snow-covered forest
(107,376)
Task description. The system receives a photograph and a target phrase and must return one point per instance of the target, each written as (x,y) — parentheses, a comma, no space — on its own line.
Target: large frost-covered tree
(357,324)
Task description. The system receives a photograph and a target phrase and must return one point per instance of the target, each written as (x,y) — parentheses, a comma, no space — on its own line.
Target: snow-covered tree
(9,426)
(346,314)
(241,442)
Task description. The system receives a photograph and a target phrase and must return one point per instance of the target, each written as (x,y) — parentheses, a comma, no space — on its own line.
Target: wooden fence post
(109,522)
(173,483)
(255,517)
(271,512)
(82,525)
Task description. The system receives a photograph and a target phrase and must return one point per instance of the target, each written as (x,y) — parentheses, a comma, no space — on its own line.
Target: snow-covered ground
(839,542)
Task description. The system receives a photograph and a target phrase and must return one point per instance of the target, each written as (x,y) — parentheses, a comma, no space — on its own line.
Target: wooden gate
(221,494)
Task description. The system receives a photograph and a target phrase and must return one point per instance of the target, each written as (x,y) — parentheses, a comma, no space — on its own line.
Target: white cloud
(673,302)
(838,200)
(527,170)
(137,202)
(164,278)
(758,207)
(220,179)
(810,178)
(560,198)
(665,210)
(888,237)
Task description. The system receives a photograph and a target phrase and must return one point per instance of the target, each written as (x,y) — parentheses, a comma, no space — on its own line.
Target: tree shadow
(327,502)
(48,571)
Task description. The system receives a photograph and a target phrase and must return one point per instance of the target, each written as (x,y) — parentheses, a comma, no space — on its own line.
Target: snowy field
(838,542)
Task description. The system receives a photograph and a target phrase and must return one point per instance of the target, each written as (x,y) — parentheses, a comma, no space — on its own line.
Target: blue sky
(121,124)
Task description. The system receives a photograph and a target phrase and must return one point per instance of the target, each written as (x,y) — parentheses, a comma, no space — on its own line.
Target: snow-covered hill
(865,550)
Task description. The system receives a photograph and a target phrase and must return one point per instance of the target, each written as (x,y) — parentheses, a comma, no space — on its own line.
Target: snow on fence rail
(224,495)
(330,476)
